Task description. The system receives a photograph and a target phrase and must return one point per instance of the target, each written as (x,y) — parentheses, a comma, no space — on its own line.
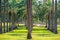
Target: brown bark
(29,18)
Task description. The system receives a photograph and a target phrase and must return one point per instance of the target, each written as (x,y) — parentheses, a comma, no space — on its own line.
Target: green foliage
(21,9)
(39,10)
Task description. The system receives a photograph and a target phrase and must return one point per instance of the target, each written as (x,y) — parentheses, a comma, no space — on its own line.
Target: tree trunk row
(52,20)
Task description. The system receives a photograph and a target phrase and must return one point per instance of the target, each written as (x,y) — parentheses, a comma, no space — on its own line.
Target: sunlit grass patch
(38,33)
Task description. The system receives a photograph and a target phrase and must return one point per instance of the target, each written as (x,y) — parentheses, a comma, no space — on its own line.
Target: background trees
(15,11)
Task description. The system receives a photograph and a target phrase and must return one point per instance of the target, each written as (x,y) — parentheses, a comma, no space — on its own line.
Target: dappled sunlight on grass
(38,33)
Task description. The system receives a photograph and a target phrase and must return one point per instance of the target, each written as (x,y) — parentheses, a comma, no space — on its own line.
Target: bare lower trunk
(46,24)
(26,24)
(48,21)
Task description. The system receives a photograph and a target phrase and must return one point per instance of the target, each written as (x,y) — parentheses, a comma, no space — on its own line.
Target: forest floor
(38,33)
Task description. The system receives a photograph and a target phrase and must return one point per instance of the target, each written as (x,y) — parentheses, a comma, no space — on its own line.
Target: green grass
(38,33)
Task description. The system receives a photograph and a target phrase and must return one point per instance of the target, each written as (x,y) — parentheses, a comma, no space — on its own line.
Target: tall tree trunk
(12,16)
(50,19)
(6,15)
(44,3)
(0,18)
(29,18)
(49,16)
(55,18)
(13,22)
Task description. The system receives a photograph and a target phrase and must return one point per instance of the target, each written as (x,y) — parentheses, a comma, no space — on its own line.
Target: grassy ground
(38,33)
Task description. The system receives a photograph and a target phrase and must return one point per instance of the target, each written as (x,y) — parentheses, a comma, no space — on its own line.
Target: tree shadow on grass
(16,34)
(39,29)
(44,35)
(23,36)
